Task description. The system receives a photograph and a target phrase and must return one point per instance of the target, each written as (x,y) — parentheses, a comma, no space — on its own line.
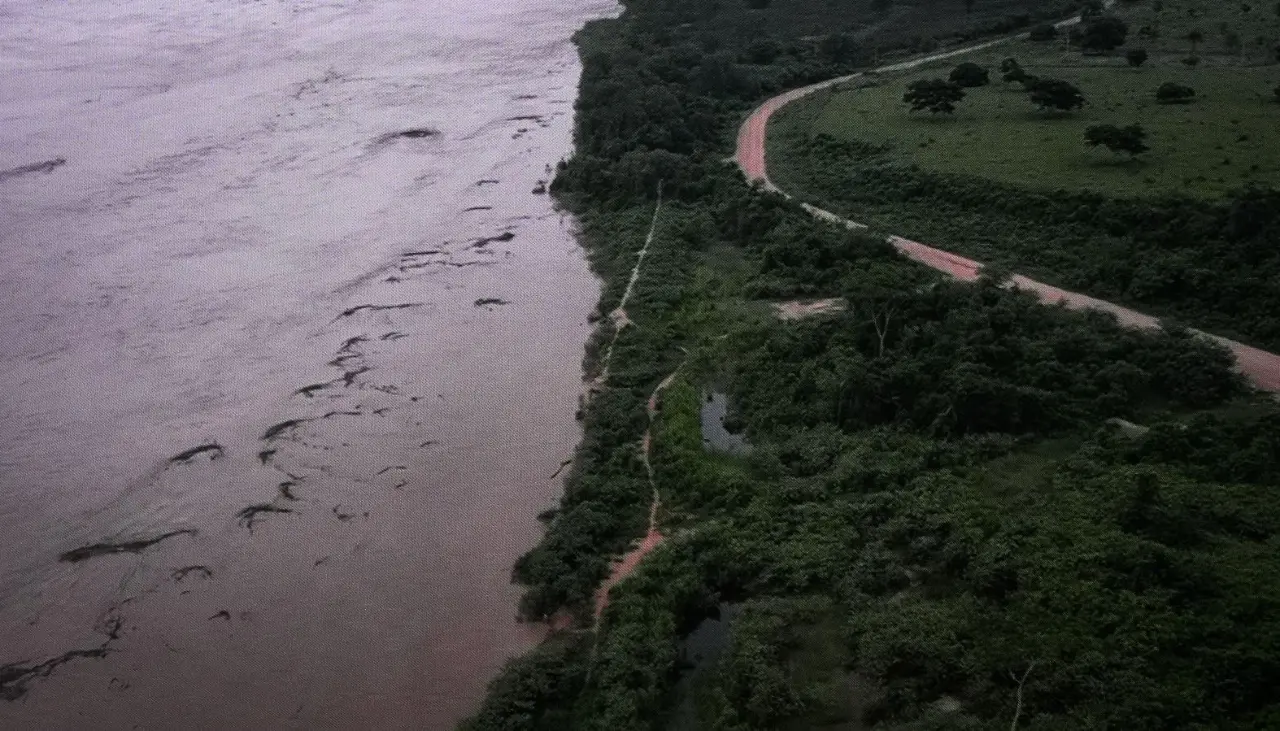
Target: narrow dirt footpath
(619,314)
(1260,367)
(624,566)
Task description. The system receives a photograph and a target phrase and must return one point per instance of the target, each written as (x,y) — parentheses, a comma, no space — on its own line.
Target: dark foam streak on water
(275,423)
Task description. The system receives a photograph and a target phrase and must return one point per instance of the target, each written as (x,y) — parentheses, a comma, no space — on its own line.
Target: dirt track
(1260,367)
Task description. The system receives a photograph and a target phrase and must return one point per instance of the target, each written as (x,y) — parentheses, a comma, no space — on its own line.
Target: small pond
(715,437)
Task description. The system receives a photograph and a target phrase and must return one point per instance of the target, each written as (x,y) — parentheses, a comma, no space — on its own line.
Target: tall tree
(1104,33)
(970,74)
(1195,37)
(1171,92)
(1043,32)
(935,95)
(1130,139)
(1055,95)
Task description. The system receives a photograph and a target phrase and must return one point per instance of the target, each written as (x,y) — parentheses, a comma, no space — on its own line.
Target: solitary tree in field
(1014,73)
(1043,32)
(1232,41)
(970,75)
(1055,95)
(1104,33)
(1136,57)
(1171,92)
(1195,37)
(1131,139)
(935,95)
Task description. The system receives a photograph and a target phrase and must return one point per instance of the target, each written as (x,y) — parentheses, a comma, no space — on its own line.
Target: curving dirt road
(1259,366)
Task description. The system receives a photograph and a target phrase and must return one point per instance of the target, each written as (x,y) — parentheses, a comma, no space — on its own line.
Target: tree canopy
(935,511)
(1130,139)
(1055,95)
(1103,33)
(1171,92)
(934,95)
(1043,32)
(969,74)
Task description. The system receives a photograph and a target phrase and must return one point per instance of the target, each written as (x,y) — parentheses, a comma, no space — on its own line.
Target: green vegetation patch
(1223,140)
(936,526)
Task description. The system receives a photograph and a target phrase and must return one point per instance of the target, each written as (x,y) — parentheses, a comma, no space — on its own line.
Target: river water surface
(240,249)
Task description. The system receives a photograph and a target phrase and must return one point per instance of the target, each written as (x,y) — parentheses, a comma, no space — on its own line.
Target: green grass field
(1223,140)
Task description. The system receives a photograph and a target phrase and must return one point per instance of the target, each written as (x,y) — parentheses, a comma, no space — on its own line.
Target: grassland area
(1223,140)
(959,509)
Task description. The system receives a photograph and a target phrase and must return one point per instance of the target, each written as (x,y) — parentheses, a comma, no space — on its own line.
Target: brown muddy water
(212,232)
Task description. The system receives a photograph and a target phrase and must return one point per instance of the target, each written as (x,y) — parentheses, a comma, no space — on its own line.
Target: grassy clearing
(1222,141)
(1163,26)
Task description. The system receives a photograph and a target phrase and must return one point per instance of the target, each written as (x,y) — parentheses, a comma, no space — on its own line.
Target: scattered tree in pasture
(1191,61)
(1043,32)
(1171,92)
(1195,37)
(1130,139)
(935,95)
(1231,40)
(1014,73)
(970,75)
(1104,33)
(1136,57)
(1055,95)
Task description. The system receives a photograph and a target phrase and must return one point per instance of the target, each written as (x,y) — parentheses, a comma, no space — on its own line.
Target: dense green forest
(960,509)
(1211,264)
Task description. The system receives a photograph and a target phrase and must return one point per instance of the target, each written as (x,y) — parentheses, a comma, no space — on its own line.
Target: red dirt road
(1259,366)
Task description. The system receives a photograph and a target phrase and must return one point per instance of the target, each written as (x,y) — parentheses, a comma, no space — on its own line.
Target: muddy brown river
(291,350)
